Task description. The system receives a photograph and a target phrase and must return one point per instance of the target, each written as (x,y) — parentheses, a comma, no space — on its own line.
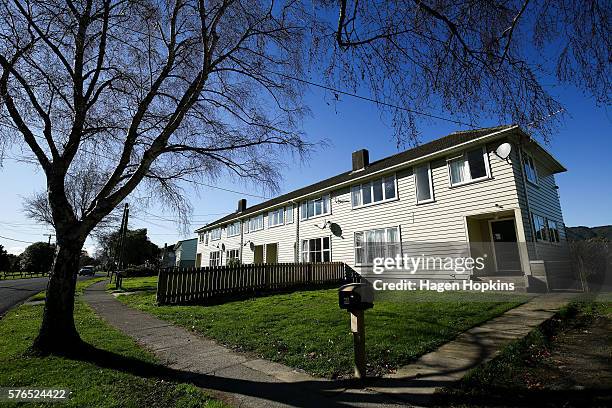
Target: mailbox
(356,296)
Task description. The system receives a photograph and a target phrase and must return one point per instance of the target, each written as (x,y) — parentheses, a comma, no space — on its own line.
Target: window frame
(304,214)
(364,242)
(229,227)
(557,237)
(280,210)
(289,210)
(370,183)
(217,260)
(463,155)
(263,223)
(416,184)
(535,229)
(527,158)
(228,257)
(307,240)
(213,236)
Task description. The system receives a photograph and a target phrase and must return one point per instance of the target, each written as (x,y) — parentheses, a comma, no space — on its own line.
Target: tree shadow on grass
(316,392)
(341,393)
(233,390)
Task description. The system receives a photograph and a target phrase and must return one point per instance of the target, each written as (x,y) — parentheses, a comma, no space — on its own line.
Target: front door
(503,234)
(271,253)
(258,251)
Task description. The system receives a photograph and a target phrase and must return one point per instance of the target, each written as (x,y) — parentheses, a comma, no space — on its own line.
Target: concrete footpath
(245,381)
(238,379)
(417,382)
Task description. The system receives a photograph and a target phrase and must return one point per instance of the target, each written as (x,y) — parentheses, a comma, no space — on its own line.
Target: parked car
(87,270)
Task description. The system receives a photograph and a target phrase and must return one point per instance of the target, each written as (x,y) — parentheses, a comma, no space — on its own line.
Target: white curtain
(458,173)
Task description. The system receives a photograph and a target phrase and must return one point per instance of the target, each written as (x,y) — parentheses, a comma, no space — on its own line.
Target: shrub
(233,262)
(139,271)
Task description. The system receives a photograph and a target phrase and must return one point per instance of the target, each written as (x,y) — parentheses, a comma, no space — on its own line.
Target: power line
(366,98)
(16,240)
(221,188)
(176,218)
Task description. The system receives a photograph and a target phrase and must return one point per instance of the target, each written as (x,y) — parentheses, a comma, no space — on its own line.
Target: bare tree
(149,93)
(81,186)
(470,58)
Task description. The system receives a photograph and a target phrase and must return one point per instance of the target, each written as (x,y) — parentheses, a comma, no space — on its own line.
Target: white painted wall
(441,221)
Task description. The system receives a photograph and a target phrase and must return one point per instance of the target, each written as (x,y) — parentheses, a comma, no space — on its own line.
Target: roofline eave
(407,163)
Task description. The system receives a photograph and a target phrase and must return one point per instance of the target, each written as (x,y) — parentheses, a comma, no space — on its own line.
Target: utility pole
(126,212)
(122,232)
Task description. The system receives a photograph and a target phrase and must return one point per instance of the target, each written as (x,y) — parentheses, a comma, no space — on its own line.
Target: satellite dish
(251,246)
(503,150)
(335,229)
(223,247)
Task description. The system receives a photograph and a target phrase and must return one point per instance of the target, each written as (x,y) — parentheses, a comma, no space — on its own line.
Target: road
(13,292)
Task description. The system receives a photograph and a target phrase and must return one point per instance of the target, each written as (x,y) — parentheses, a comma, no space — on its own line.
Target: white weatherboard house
(456,189)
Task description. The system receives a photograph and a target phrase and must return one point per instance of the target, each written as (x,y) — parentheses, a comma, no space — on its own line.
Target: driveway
(13,292)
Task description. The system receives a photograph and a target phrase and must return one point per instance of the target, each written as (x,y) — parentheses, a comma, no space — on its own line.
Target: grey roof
(449,141)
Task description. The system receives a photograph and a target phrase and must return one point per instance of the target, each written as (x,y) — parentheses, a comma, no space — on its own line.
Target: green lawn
(148,283)
(307,330)
(79,288)
(92,385)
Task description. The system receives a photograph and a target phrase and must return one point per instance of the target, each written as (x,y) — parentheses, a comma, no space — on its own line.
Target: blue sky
(583,144)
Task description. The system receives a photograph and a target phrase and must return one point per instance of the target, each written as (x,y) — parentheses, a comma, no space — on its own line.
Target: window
(530,170)
(316,207)
(201,236)
(289,215)
(377,243)
(232,254)
(256,223)
(215,258)
(215,234)
(316,250)
(553,231)
(539,227)
(375,191)
(470,166)
(233,229)
(276,217)
(422,181)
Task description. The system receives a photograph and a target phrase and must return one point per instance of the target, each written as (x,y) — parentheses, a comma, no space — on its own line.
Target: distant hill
(581,232)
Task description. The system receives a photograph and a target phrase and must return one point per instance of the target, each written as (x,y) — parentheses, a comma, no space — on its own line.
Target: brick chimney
(242,205)
(361,159)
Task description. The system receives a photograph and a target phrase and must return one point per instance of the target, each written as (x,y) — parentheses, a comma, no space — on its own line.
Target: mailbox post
(358,329)
(356,298)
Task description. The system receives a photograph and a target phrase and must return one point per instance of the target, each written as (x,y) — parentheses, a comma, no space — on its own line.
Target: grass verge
(557,364)
(307,330)
(92,385)
(146,284)
(80,286)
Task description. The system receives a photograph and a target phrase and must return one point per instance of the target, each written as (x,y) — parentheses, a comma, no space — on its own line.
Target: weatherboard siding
(284,235)
(441,221)
(544,201)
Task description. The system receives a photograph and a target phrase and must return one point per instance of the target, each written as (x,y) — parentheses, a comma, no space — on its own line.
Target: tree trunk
(57,332)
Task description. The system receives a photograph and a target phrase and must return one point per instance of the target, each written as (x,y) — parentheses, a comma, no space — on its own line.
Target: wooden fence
(196,285)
